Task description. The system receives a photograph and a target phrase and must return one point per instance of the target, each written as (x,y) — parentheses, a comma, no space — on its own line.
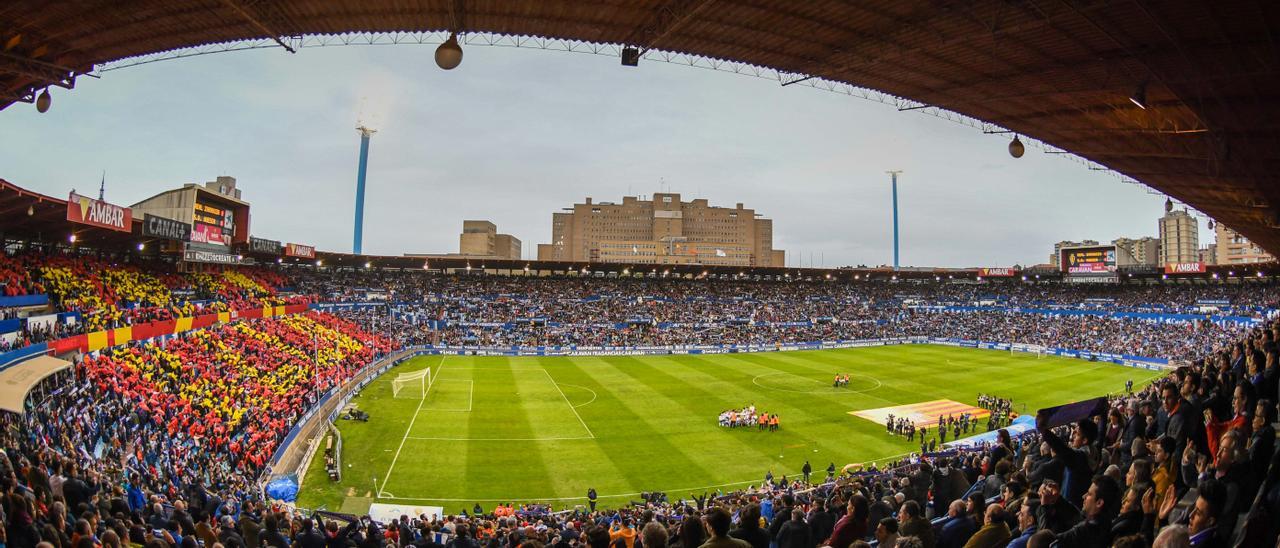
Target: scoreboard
(211,224)
(1089,260)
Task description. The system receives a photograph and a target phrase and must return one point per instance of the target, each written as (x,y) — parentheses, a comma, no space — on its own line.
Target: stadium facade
(662,231)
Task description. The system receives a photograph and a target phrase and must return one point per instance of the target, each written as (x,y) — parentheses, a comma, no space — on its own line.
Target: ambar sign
(299,250)
(1184,268)
(996,272)
(88,211)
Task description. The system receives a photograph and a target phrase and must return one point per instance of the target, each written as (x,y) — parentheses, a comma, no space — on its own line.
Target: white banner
(387,513)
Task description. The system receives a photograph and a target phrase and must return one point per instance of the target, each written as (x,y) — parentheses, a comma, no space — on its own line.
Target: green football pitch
(495,429)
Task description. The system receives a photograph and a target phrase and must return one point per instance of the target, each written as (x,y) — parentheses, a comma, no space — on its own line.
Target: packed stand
(159,445)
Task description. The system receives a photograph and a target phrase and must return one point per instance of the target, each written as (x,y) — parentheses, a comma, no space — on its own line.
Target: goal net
(1038,349)
(411,385)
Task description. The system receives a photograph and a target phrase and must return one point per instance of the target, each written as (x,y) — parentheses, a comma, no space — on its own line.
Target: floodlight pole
(365,133)
(893,174)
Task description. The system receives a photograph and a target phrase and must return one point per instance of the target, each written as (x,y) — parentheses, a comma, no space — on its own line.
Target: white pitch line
(619,495)
(439,366)
(593,394)
(569,403)
(502,439)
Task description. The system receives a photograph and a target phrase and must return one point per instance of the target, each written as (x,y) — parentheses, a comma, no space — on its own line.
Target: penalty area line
(593,394)
(569,403)
(439,367)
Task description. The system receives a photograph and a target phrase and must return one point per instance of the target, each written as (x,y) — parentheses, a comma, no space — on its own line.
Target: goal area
(412,385)
(1038,349)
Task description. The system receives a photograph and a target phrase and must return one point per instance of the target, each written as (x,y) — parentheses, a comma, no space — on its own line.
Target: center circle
(801,384)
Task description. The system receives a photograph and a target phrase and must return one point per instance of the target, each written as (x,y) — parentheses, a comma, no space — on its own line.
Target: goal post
(1039,350)
(412,385)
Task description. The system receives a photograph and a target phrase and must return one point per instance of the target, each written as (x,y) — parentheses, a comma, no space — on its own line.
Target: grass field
(545,429)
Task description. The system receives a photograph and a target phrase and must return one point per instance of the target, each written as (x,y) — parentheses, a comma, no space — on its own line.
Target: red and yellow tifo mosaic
(922,414)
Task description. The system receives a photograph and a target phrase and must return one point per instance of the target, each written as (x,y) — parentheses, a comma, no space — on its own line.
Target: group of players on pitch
(747,416)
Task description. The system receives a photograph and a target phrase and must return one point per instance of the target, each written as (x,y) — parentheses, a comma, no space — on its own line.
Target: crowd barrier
(24,300)
(12,357)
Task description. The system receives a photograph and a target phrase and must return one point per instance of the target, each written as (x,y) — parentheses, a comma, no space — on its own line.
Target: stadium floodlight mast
(357,246)
(893,176)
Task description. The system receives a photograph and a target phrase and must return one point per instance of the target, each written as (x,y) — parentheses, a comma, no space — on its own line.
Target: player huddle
(748,416)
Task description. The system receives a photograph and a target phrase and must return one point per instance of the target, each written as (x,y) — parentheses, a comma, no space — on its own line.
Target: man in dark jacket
(1078,460)
(794,533)
(228,536)
(821,522)
(921,481)
(184,519)
(912,524)
(1101,503)
(1055,514)
(271,536)
(1179,413)
(948,484)
(76,491)
(957,530)
(308,537)
(781,515)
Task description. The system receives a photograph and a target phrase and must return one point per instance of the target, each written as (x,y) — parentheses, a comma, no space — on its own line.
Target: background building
(215,211)
(481,239)
(1145,251)
(1179,238)
(1232,248)
(664,230)
(1056,258)
(1209,254)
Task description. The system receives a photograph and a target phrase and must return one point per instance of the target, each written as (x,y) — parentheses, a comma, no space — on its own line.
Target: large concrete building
(481,239)
(1179,238)
(1232,248)
(1144,251)
(664,230)
(217,214)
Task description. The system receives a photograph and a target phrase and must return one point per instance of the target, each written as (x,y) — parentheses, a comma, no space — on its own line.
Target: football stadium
(662,374)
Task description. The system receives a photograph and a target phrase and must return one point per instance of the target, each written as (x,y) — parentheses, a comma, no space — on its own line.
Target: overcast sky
(513,135)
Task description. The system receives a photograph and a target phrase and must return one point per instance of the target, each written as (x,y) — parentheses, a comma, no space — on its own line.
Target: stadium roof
(18,380)
(1066,72)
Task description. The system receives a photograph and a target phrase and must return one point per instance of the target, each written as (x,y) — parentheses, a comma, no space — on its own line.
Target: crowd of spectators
(519,311)
(616,299)
(93,294)
(160,443)
(195,418)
